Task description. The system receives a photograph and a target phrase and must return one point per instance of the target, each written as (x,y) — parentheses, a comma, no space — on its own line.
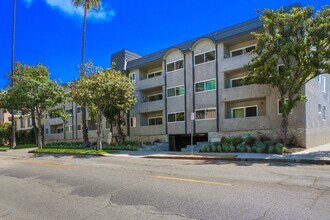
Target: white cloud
(103,13)
(28,2)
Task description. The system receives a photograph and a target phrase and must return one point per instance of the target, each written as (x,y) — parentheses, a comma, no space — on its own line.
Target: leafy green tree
(5,133)
(107,89)
(33,92)
(87,6)
(300,42)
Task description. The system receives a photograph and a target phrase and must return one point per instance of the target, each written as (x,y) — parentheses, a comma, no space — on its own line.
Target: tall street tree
(107,90)
(87,6)
(33,93)
(293,49)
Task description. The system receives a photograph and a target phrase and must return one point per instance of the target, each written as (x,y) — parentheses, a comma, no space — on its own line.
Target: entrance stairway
(195,147)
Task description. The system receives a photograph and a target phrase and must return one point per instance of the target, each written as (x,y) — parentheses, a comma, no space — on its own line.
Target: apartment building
(23,122)
(196,88)
(202,78)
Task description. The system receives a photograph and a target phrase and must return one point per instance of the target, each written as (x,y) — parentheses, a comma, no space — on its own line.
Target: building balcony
(150,83)
(245,124)
(144,107)
(148,130)
(236,62)
(252,91)
(55,121)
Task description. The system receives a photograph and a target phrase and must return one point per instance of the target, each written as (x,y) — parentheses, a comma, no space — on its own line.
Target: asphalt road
(65,187)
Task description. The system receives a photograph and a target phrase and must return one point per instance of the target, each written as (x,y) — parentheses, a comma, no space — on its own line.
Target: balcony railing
(150,83)
(245,92)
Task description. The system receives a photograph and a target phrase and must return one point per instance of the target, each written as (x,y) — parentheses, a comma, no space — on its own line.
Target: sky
(49,31)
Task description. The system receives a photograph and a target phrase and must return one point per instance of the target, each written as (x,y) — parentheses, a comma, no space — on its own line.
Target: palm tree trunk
(13,127)
(82,74)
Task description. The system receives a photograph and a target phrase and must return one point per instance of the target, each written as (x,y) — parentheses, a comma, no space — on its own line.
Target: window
(79,109)
(205,57)
(78,127)
(22,122)
(319,108)
(323,112)
(151,75)
(29,122)
(247,111)
(59,130)
(107,125)
(280,68)
(155,121)
(324,85)
(241,51)
(68,128)
(132,77)
(176,91)
(69,111)
(205,86)
(47,131)
(203,114)
(319,79)
(175,117)
(133,122)
(176,65)
(237,82)
(155,97)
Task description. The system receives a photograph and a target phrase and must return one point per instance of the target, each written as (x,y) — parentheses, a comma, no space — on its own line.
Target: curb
(305,161)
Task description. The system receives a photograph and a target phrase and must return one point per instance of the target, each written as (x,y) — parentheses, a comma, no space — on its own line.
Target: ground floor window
(246,111)
(133,122)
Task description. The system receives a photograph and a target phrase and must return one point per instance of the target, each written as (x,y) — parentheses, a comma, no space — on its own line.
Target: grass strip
(73,151)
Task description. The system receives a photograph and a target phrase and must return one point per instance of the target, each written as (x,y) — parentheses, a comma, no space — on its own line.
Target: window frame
(132,119)
(174,62)
(324,85)
(159,71)
(244,107)
(130,75)
(204,53)
(174,87)
(237,78)
(69,126)
(243,50)
(78,127)
(175,113)
(205,109)
(156,94)
(156,117)
(323,113)
(204,82)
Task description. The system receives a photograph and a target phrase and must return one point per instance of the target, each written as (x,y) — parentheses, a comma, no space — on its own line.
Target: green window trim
(175,91)
(176,117)
(209,85)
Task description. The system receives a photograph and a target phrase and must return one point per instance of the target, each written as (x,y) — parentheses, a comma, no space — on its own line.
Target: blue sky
(49,31)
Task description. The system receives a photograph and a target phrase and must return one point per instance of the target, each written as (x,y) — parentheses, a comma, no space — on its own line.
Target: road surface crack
(263,216)
(162,214)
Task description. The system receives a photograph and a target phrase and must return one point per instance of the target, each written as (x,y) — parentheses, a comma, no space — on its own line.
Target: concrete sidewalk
(316,155)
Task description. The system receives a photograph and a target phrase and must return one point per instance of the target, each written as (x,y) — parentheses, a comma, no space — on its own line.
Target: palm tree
(87,5)
(13,140)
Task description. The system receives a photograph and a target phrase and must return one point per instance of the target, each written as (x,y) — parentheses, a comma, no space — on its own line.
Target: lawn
(72,151)
(4,148)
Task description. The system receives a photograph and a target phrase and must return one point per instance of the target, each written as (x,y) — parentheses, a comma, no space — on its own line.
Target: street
(69,187)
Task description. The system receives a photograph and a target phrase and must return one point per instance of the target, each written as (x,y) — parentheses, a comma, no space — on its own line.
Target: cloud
(104,12)
(28,2)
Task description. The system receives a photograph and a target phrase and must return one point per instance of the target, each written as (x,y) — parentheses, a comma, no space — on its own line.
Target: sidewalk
(316,155)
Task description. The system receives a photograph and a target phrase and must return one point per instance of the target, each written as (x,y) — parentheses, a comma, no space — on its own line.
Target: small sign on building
(192,116)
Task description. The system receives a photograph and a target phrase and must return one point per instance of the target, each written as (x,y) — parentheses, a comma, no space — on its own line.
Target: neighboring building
(204,76)
(23,122)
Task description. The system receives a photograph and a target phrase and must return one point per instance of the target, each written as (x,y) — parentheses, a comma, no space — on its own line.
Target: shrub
(213,148)
(208,149)
(263,137)
(226,148)
(279,148)
(202,149)
(260,147)
(232,148)
(248,149)
(269,143)
(250,140)
(219,148)
(270,149)
(241,148)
